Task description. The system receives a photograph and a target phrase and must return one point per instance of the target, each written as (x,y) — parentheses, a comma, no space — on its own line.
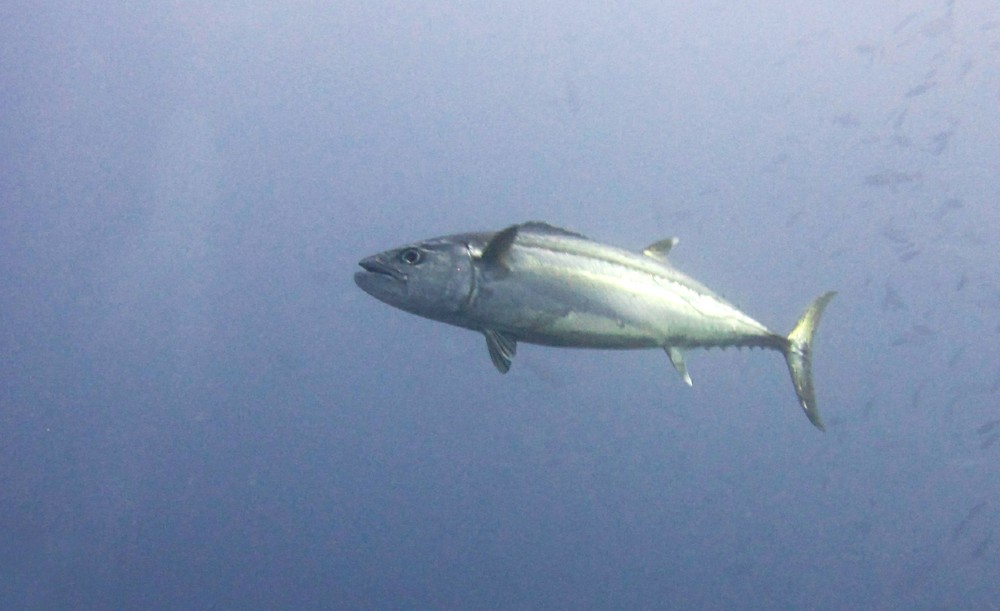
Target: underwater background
(199,408)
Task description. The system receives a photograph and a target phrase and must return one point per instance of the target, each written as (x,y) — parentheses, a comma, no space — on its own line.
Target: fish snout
(377,265)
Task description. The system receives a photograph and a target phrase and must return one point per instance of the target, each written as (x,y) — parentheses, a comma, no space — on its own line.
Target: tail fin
(798,355)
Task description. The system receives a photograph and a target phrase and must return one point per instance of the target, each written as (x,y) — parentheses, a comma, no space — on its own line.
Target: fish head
(433,278)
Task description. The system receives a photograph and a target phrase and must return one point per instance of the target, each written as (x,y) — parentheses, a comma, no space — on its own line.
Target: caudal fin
(798,355)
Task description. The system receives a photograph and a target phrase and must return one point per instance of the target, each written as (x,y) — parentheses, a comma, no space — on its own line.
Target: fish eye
(411,256)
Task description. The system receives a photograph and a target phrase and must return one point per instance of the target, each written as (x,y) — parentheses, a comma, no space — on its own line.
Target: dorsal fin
(659,250)
(498,246)
(543,227)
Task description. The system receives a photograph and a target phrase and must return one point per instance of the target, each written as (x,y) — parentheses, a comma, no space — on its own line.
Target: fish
(535,283)
(987,427)
(988,441)
(963,524)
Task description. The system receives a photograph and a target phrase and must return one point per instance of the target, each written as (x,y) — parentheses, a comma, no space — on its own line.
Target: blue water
(199,409)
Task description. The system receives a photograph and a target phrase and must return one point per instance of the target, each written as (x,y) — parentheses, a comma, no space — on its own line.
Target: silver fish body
(539,284)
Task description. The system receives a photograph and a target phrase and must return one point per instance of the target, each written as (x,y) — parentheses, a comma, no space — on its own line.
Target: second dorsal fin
(659,250)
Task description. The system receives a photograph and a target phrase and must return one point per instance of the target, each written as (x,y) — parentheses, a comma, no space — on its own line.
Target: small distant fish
(869,409)
(540,284)
(896,236)
(890,178)
(947,206)
(963,524)
(905,22)
(966,68)
(917,333)
(939,142)
(988,427)
(982,547)
(846,120)
(891,300)
(794,218)
(937,27)
(922,330)
(956,356)
(989,441)
(900,120)
(920,89)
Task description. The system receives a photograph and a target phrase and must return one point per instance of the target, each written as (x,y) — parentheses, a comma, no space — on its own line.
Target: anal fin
(677,358)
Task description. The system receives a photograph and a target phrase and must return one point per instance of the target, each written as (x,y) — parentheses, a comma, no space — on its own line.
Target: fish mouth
(375,265)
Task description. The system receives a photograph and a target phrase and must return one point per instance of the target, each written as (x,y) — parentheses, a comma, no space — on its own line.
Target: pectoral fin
(677,358)
(502,348)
